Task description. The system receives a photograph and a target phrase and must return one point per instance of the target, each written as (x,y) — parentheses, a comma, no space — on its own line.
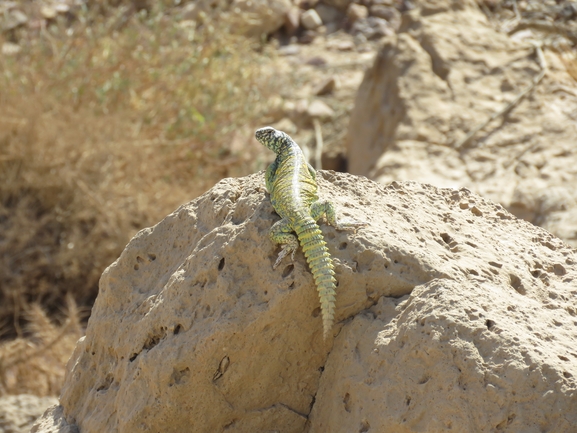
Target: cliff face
(451,314)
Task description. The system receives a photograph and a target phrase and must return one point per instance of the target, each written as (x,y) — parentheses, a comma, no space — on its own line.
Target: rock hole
(177,329)
(287,270)
(471,244)
(489,324)
(337,284)
(559,269)
(473,272)
(567,375)
(563,358)
(221,264)
(550,246)
(266,292)
(516,284)
(291,285)
(151,257)
(136,267)
(343,245)
(133,357)
(496,265)
(154,339)
(423,380)
(476,211)
(408,400)
(446,238)
(365,426)
(355,266)
(106,384)
(536,273)
(316,312)
(346,400)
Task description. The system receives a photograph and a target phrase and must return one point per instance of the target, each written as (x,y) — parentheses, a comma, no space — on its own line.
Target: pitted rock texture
(450,312)
(448,70)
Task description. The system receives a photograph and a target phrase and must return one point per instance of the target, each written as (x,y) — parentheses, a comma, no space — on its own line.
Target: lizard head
(272,138)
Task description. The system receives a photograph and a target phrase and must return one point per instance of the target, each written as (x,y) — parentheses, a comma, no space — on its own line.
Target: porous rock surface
(448,70)
(451,314)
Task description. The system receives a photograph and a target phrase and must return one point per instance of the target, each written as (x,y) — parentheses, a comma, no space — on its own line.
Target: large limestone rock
(451,314)
(446,72)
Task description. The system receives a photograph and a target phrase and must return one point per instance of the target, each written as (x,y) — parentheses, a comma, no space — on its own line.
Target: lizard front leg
(325,207)
(281,233)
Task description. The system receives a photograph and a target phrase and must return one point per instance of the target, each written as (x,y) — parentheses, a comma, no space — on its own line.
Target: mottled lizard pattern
(291,182)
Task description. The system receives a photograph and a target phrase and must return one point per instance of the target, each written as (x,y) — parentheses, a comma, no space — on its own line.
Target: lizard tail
(321,264)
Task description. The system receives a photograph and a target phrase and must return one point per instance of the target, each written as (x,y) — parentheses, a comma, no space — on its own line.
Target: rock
(327,86)
(446,345)
(341,45)
(13,19)
(10,48)
(446,71)
(53,421)
(319,110)
(450,312)
(48,12)
(356,12)
(292,18)
(392,15)
(310,19)
(18,412)
(372,28)
(289,50)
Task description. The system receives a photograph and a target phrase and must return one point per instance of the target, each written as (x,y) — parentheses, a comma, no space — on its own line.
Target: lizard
(291,183)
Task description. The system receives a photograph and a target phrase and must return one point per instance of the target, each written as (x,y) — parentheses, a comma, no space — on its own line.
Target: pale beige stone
(310,19)
(447,316)
(356,12)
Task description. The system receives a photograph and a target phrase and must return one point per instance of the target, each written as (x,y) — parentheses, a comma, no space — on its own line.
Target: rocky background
(115,112)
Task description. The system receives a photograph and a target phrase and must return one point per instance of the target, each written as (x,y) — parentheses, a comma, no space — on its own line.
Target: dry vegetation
(106,125)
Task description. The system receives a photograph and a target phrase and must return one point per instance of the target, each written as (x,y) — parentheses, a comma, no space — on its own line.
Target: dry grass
(105,127)
(36,364)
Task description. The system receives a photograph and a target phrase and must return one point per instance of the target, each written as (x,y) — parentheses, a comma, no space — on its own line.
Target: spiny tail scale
(321,264)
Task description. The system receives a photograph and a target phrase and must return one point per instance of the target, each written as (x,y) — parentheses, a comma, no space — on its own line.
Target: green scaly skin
(291,182)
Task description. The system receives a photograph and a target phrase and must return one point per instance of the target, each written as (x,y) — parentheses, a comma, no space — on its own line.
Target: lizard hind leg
(281,233)
(325,207)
